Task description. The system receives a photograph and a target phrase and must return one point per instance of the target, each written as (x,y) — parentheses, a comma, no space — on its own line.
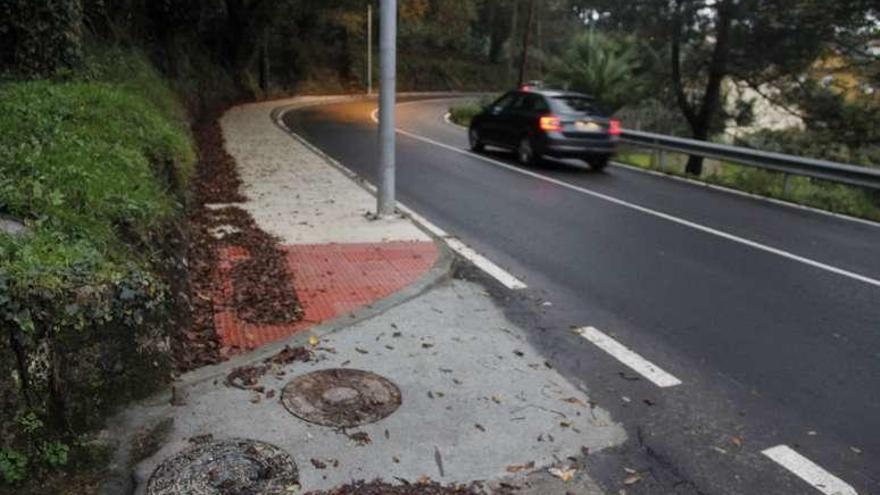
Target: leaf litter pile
(262,285)
(423,487)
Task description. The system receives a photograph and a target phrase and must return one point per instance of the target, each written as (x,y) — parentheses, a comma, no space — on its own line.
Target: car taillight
(551,123)
(614,128)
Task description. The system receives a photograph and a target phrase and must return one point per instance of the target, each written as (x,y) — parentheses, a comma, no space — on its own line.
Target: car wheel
(474,140)
(597,163)
(525,152)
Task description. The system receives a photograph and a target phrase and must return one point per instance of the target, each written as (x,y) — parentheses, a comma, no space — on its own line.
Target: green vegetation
(604,67)
(820,194)
(96,166)
(462,114)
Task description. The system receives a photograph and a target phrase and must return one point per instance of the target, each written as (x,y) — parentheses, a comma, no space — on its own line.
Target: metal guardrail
(852,175)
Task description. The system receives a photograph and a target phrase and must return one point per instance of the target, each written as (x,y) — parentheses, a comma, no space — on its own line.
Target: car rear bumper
(563,147)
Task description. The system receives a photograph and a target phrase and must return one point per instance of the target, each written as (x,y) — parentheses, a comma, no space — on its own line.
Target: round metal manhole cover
(226,467)
(341,397)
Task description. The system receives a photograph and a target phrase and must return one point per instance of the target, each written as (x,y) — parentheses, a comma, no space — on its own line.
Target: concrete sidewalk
(477,401)
(340,258)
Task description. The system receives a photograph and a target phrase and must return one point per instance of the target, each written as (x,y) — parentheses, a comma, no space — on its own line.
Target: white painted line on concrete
(623,354)
(655,213)
(484,264)
(809,471)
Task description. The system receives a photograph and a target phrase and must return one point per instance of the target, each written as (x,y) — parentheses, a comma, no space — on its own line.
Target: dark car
(542,122)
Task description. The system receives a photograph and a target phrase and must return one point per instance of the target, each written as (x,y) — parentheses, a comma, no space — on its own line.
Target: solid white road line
(809,471)
(752,196)
(623,354)
(484,264)
(480,261)
(655,213)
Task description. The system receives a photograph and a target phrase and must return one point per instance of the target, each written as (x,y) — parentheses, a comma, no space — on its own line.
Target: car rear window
(575,104)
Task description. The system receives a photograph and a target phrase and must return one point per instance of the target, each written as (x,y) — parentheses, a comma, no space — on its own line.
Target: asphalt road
(768,314)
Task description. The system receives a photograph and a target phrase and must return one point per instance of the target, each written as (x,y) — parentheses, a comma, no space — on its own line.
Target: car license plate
(586,125)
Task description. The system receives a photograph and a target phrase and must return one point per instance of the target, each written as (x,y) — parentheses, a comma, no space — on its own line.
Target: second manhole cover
(341,397)
(226,467)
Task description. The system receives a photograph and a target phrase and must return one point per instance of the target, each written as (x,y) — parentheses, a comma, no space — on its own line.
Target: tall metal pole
(388,69)
(369,48)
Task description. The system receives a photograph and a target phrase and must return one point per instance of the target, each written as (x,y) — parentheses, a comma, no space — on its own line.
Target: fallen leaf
(480,427)
(318,464)
(496,399)
(423,479)
(630,470)
(565,473)
(313,341)
(736,441)
(362,351)
(515,468)
(575,400)
(856,450)
(427,345)
(632,479)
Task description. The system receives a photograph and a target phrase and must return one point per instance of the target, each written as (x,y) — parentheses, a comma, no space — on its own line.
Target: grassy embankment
(801,190)
(96,165)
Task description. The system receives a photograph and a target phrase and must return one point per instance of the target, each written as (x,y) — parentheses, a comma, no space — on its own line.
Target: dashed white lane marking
(809,471)
(623,354)
(649,211)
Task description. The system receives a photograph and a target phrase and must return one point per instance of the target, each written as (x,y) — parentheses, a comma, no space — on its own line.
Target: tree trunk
(513,25)
(264,65)
(494,41)
(526,39)
(700,120)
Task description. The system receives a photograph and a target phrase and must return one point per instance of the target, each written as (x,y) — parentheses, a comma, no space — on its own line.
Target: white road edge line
(623,354)
(484,264)
(649,211)
(757,197)
(808,471)
(480,261)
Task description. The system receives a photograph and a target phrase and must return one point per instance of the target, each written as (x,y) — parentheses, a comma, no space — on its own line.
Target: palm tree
(601,66)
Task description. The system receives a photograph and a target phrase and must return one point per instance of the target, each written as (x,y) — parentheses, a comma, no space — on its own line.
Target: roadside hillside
(94,169)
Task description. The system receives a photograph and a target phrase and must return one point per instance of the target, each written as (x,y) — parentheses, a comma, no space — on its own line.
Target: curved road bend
(768,314)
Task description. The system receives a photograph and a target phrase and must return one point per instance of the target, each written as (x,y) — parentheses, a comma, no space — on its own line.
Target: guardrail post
(662,159)
(786,185)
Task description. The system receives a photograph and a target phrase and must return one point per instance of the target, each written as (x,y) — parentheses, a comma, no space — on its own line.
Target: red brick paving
(331,280)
